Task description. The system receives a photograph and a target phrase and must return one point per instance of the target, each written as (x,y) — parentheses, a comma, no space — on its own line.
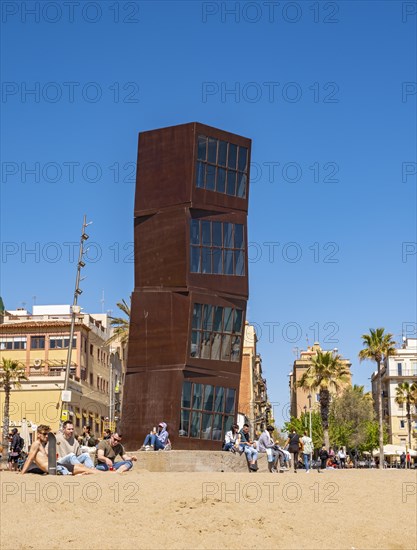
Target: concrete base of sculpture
(195,461)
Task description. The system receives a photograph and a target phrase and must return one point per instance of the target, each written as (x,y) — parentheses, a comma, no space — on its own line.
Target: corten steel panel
(160,244)
(158,330)
(162,252)
(166,170)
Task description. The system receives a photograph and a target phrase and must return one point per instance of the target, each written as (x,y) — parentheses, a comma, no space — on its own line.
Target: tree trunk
(324,413)
(6,423)
(409,423)
(380,419)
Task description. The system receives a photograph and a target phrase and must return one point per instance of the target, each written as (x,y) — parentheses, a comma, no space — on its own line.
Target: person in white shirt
(342,457)
(308,449)
(231,439)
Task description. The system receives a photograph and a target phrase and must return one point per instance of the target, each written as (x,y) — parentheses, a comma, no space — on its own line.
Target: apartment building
(401,367)
(40,341)
(299,397)
(253,406)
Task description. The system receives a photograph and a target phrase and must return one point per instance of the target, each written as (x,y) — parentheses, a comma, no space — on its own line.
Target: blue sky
(327,93)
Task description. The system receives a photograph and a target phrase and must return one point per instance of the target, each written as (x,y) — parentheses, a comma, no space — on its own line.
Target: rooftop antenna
(296,352)
(307,340)
(34,300)
(102,301)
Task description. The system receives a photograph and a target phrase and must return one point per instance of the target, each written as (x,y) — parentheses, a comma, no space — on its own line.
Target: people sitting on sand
(266,444)
(108,450)
(37,460)
(86,438)
(246,446)
(231,440)
(68,449)
(156,440)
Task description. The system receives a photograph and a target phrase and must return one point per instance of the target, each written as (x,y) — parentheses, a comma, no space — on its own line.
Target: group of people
(75,458)
(296,449)
(237,440)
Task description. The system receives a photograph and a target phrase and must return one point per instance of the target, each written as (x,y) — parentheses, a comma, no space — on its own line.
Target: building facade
(401,367)
(40,341)
(254,406)
(299,397)
(191,285)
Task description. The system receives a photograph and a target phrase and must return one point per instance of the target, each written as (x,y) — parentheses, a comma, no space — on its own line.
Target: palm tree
(12,374)
(378,347)
(120,325)
(407,393)
(326,373)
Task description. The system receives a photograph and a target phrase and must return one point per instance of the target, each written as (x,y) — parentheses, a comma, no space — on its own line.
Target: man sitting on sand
(108,450)
(37,460)
(68,449)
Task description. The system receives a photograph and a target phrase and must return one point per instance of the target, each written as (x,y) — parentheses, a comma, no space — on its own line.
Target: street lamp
(75,310)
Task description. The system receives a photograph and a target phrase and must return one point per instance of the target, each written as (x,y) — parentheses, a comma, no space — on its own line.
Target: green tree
(120,325)
(371,441)
(350,413)
(301,425)
(378,346)
(407,393)
(12,374)
(326,373)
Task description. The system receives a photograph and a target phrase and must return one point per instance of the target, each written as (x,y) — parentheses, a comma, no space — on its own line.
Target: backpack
(21,443)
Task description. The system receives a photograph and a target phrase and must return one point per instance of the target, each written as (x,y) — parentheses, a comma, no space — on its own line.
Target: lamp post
(75,310)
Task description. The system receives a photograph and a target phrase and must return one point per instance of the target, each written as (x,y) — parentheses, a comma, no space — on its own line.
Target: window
(221,167)
(216,332)
(207,412)
(217,248)
(400,369)
(37,342)
(91,349)
(402,424)
(16,342)
(91,379)
(61,342)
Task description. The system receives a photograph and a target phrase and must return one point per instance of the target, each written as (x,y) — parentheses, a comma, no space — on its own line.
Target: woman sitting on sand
(156,440)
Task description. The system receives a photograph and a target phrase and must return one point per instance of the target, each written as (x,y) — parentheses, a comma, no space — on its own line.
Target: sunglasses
(116,439)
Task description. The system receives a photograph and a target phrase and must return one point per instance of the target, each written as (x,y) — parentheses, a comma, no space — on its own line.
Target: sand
(360,509)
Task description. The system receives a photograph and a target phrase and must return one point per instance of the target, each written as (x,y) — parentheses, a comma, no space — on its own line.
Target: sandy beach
(358,509)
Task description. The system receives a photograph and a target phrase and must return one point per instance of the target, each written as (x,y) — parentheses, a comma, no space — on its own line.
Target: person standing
(342,457)
(16,447)
(402,460)
(323,456)
(308,448)
(294,443)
